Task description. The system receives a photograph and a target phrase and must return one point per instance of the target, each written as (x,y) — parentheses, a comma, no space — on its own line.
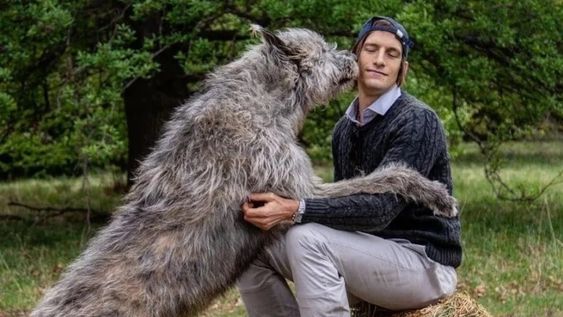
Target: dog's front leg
(399,180)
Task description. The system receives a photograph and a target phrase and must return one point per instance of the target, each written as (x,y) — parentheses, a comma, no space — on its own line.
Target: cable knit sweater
(410,132)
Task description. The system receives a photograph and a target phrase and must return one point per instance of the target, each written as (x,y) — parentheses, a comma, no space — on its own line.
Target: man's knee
(308,237)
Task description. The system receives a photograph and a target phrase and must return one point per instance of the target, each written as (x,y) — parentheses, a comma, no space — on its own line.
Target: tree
(497,67)
(72,73)
(94,59)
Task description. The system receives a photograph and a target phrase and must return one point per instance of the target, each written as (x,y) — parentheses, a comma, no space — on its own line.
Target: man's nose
(379,58)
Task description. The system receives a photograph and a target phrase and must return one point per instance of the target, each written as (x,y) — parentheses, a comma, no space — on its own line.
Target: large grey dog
(179,239)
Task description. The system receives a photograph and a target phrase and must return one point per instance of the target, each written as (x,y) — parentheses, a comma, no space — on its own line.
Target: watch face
(298,218)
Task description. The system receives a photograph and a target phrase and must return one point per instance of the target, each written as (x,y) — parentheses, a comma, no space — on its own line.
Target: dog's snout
(349,55)
(351,62)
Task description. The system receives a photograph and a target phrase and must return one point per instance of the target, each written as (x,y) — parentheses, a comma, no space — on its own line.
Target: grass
(513,254)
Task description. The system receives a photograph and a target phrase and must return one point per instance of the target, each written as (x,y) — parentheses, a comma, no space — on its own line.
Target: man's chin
(376,86)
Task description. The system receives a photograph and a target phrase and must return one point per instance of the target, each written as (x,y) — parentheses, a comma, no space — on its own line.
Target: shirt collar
(380,106)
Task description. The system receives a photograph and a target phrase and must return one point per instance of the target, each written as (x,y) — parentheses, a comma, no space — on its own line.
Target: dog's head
(313,71)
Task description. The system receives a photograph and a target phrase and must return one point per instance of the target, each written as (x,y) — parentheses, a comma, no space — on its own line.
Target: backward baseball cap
(395,28)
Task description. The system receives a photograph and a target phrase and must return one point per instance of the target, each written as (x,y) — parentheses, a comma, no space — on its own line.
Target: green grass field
(513,261)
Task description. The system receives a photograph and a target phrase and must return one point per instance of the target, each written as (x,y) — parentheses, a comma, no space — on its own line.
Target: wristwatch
(296,217)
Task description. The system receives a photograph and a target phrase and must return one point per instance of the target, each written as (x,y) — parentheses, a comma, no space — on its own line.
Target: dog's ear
(271,39)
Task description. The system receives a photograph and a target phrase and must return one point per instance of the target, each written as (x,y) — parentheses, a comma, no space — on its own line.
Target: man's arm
(273,210)
(416,144)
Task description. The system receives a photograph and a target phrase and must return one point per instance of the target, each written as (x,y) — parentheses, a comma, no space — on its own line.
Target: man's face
(380,61)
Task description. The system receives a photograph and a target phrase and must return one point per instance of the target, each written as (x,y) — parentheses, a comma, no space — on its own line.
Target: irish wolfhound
(179,239)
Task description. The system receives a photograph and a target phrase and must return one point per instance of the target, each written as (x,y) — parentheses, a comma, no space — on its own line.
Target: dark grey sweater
(410,132)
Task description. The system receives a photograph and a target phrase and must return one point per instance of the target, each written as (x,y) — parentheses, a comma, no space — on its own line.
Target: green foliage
(67,100)
(317,131)
(500,60)
(490,69)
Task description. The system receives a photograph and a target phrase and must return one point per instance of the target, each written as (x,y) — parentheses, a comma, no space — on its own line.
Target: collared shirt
(379,106)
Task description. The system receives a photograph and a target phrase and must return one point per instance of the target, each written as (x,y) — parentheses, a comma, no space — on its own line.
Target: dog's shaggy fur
(179,239)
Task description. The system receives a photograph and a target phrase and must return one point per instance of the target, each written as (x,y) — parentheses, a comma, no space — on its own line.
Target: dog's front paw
(447,208)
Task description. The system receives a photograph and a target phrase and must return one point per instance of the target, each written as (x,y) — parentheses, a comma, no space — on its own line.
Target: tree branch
(11,217)
(96,216)
(56,211)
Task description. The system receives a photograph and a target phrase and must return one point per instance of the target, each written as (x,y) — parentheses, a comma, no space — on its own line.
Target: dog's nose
(350,55)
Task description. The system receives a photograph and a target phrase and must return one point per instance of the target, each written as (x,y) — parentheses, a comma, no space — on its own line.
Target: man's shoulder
(412,116)
(343,122)
(413,104)
(413,108)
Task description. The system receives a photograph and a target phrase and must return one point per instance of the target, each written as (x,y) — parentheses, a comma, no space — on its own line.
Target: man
(374,248)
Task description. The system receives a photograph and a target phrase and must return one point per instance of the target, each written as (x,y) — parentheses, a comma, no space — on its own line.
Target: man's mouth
(375,72)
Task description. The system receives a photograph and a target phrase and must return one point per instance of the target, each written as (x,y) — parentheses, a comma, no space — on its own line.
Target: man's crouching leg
(332,268)
(263,285)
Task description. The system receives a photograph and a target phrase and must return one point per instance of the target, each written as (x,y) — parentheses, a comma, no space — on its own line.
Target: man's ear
(271,39)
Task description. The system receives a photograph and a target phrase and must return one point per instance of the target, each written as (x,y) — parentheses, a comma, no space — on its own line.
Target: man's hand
(265,210)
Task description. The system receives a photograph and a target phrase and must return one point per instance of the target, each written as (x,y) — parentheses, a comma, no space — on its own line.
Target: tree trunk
(148,104)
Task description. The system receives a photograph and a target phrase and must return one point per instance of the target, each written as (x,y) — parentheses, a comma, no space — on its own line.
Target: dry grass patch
(458,305)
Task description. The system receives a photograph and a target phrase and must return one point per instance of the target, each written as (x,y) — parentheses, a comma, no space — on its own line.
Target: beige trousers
(334,269)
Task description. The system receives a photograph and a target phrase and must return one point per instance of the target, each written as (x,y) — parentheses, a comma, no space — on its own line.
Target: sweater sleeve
(415,141)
